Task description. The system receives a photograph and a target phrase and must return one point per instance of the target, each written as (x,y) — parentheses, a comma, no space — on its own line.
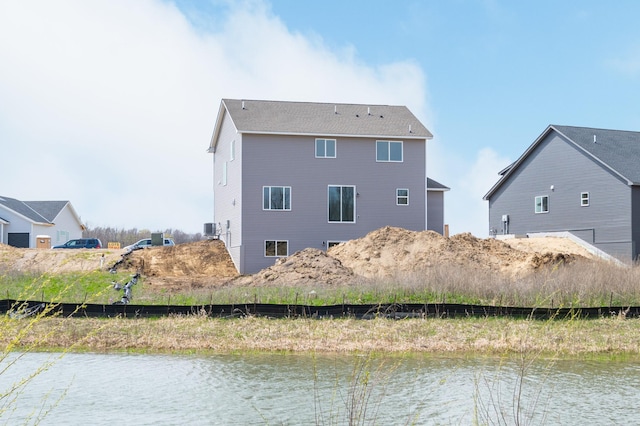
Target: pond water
(103,389)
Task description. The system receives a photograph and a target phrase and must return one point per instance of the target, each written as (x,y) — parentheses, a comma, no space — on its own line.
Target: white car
(146,243)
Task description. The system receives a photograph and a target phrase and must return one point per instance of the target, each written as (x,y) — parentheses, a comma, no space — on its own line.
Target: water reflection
(305,389)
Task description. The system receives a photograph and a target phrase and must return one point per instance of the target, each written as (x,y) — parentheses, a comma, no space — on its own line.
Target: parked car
(80,243)
(146,243)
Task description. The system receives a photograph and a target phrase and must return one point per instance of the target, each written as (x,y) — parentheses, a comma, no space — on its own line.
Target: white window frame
(402,197)
(355,195)
(585,199)
(276,244)
(541,203)
(388,157)
(285,189)
(324,140)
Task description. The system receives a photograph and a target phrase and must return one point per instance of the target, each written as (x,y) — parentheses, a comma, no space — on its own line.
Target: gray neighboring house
(293,175)
(580,180)
(22,222)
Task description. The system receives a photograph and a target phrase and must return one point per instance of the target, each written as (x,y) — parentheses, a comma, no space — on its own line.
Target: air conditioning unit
(209,229)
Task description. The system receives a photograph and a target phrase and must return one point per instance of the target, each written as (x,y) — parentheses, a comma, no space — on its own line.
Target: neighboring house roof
(47,209)
(43,212)
(616,150)
(326,119)
(23,209)
(436,186)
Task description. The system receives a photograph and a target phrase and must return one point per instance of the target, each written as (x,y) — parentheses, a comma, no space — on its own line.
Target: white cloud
(110,104)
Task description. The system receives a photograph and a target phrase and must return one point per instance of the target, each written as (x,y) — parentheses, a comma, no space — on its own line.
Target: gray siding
(606,222)
(435,211)
(635,222)
(274,160)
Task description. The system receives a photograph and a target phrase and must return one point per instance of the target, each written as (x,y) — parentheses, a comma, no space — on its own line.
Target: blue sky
(111,103)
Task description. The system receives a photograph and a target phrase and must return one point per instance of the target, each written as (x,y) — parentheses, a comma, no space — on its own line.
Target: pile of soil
(306,267)
(183,266)
(385,252)
(54,261)
(389,251)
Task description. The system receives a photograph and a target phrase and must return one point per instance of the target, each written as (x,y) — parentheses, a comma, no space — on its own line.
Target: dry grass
(485,336)
(579,284)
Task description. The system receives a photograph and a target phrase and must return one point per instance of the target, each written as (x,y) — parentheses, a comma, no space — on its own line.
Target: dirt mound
(41,261)
(183,266)
(389,251)
(208,257)
(386,252)
(308,267)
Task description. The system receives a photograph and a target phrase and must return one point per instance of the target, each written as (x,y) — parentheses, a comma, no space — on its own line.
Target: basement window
(276,248)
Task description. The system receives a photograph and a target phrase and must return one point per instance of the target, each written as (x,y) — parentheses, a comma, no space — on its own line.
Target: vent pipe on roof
(368,110)
(243,105)
(335,109)
(594,138)
(410,129)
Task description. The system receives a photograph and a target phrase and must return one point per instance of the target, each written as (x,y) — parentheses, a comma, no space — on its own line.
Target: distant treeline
(129,236)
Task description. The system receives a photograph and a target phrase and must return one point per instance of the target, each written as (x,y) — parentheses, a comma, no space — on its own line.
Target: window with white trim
(402,197)
(276,198)
(584,199)
(342,203)
(232,150)
(389,151)
(276,248)
(542,204)
(325,148)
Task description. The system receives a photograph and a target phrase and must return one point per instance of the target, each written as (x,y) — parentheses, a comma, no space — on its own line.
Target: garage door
(19,239)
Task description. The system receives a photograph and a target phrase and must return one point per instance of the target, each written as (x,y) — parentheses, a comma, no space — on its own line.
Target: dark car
(81,243)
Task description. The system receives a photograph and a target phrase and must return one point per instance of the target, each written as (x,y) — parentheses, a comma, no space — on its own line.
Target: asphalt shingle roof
(37,211)
(617,149)
(279,117)
(47,209)
(432,184)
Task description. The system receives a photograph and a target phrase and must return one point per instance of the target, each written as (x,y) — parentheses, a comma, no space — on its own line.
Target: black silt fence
(366,311)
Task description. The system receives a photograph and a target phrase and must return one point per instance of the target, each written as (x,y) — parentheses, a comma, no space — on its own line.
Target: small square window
(584,199)
(402,197)
(542,204)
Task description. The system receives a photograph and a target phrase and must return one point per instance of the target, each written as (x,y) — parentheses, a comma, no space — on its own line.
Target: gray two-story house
(293,175)
(579,180)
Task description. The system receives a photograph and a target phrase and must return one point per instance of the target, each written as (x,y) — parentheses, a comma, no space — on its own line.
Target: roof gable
(22,209)
(47,209)
(616,150)
(326,119)
(35,211)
